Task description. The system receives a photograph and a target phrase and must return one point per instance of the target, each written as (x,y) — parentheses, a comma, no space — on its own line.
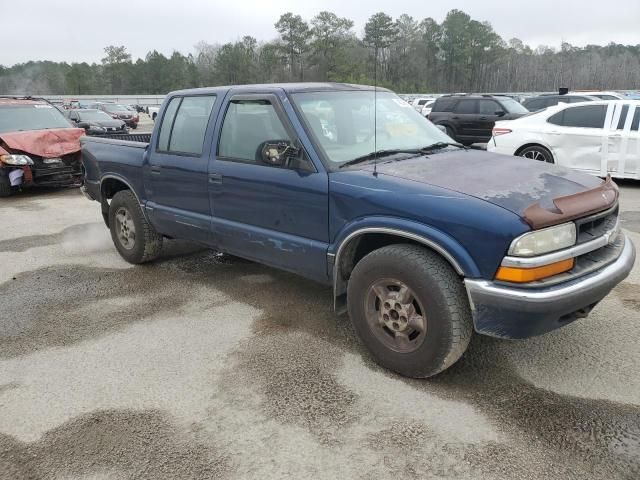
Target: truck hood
(44,143)
(540,193)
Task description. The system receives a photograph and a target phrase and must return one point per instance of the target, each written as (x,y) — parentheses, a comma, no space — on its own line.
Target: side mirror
(80,124)
(500,113)
(278,152)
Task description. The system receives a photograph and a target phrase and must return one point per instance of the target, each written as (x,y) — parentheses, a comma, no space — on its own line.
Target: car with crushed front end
(422,241)
(38,146)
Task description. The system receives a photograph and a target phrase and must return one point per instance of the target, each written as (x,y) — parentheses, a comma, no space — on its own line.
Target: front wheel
(410,309)
(133,236)
(537,152)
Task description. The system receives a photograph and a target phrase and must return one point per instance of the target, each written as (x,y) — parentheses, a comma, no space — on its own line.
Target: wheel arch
(360,242)
(535,144)
(110,185)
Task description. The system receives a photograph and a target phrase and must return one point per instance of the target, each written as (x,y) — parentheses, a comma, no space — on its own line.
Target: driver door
(274,214)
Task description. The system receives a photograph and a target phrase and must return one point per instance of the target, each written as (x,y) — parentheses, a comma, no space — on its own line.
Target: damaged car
(38,146)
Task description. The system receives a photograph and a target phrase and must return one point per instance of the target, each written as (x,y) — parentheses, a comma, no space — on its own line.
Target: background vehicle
(120,112)
(541,102)
(470,118)
(596,137)
(96,122)
(426,108)
(405,235)
(602,95)
(420,102)
(38,147)
(152,111)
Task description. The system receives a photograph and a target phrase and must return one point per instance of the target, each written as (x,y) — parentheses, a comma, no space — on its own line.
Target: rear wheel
(133,236)
(410,310)
(537,152)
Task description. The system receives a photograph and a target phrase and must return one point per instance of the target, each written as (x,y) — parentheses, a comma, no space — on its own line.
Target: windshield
(343,123)
(17,118)
(94,116)
(513,106)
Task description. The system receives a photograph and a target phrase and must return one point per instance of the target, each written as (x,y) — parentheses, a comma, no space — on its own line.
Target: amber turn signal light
(523,275)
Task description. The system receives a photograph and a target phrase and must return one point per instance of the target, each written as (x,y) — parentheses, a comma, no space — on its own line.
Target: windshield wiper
(380,154)
(410,151)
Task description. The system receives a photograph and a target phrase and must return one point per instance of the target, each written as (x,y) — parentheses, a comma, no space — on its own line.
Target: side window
(247,125)
(623,117)
(577,99)
(588,116)
(635,123)
(489,107)
(535,104)
(422,102)
(557,119)
(467,106)
(190,125)
(167,123)
(444,104)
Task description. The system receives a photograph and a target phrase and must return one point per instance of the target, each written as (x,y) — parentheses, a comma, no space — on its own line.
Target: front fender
(441,242)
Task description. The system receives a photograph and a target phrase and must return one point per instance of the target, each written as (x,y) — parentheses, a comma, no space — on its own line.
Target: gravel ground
(205,366)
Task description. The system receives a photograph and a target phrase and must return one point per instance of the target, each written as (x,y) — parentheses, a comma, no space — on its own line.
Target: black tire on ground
(437,290)
(5,187)
(145,243)
(153,117)
(537,152)
(134,126)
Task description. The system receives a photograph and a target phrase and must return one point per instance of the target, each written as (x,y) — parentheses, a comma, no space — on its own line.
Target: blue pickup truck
(423,241)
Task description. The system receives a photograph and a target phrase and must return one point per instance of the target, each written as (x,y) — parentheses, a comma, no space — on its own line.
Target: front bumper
(510,312)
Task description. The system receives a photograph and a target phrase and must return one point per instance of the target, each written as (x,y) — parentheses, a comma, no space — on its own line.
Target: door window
(185,123)
(247,125)
(587,116)
(489,107)
(467,106)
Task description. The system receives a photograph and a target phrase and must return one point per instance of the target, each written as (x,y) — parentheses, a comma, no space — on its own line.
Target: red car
(38,146)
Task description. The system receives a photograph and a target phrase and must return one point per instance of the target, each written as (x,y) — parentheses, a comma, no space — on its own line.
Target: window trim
(176,152)
(274,101)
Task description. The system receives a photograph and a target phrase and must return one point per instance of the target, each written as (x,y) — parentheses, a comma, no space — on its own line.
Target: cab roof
(287,87)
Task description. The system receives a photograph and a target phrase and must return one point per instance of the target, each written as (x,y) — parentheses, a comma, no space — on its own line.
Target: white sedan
(595,137)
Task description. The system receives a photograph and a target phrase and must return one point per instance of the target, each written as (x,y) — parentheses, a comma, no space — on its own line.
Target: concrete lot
(203,366)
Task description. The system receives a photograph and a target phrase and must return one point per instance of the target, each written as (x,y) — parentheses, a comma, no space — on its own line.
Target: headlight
(16,160)
(543,241)
(97,128)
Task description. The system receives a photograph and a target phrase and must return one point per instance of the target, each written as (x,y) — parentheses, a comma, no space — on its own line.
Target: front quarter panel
(474,232)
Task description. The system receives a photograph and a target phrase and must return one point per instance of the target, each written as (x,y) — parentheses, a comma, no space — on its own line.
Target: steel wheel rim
(125,228)
(395,316)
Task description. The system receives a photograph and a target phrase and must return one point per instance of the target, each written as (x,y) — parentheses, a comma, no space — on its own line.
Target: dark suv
(470,118)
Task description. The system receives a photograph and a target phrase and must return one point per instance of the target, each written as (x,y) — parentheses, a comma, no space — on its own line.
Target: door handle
(616,135)
(215,178)
(483,118)
(155,169)
(455,118)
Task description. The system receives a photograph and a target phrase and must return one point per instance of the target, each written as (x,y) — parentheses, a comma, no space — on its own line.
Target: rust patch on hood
(44,143)
(573,206)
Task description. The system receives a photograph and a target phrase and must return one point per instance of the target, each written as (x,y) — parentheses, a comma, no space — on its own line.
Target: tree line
(405,54)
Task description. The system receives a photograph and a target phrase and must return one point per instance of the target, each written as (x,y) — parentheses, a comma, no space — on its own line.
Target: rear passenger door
(176,171)
(621,148)
(487,109)
(277,215)
(465,116)
(578,142)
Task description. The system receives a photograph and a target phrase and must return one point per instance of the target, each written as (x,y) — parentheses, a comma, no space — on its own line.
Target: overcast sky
(75,31)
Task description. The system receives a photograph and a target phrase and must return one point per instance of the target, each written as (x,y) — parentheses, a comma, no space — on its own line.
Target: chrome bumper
(511,312)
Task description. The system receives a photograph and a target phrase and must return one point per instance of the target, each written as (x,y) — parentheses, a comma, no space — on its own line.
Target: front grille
(596,225)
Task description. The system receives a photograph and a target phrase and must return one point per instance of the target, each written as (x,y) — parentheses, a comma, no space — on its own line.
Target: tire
(437,294)
(134,126)
(537,152)
(153,117)
(5,187)
(126,218)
